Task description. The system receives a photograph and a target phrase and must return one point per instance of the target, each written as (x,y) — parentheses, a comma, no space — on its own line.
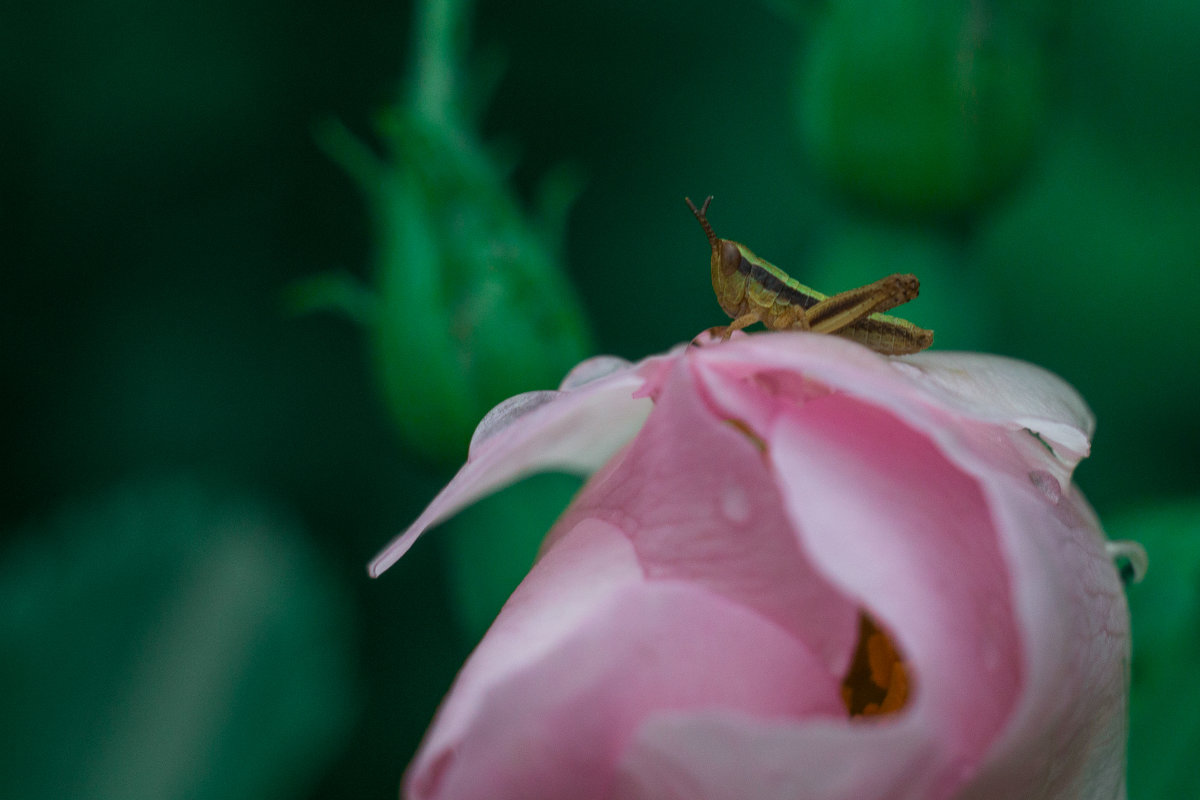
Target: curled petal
(551,699)
(922,554)
(929,389)
(575,430)
(1019,571)
(1008,392)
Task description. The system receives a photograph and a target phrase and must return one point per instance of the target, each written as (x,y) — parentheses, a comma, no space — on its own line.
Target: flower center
(877,681)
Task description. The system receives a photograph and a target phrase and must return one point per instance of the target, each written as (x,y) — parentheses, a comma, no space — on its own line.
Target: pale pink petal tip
(575,429)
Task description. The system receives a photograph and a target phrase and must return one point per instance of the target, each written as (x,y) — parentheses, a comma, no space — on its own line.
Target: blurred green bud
(922,107)
(469,305)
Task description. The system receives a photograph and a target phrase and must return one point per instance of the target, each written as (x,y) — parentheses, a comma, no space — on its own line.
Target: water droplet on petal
(735,505)
(1048,484)
(508,412)
(1130,558)
(591,370)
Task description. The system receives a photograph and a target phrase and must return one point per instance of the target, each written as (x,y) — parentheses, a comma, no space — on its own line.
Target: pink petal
(716,755)
(575,429)
(699,504)
(684,629)
(1027,561)
(550,721)
(991,389)
(920,551)
(586,572)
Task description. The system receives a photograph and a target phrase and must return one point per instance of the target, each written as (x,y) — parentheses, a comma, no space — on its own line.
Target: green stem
(440,36)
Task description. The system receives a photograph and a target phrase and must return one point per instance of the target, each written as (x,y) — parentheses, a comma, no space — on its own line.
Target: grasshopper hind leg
(845,309)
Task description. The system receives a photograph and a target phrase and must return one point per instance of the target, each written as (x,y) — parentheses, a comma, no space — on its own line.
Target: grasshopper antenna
(700,212)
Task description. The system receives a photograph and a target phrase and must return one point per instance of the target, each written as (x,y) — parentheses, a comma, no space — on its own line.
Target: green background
(196,475)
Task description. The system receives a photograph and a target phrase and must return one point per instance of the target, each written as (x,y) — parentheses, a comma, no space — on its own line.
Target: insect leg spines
(888,335)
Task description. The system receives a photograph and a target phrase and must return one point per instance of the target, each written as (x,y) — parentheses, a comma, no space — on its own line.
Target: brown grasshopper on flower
(751,290)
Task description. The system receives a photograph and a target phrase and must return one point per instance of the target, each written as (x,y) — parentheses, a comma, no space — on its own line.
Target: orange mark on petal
(877,681)
(749,433)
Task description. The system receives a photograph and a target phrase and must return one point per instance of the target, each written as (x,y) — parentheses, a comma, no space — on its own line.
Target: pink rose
(800,570)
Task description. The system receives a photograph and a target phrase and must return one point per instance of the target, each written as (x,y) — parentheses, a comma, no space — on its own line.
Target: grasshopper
(752,290)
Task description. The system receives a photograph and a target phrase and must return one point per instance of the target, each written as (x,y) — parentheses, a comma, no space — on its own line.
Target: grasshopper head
(726,256)
(725,253)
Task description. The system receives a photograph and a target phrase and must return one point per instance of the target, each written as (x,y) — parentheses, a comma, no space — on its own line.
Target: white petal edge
(573,431)
(992,389)
(1007,391)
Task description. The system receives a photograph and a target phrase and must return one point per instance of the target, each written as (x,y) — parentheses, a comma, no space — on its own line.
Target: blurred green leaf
(1164,705)
(166,641)
(471,303)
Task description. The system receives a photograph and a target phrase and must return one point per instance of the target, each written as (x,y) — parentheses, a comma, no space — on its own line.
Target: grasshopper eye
(728,257)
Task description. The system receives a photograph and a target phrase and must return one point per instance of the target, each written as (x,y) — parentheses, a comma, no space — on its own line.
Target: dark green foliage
(1164,722)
